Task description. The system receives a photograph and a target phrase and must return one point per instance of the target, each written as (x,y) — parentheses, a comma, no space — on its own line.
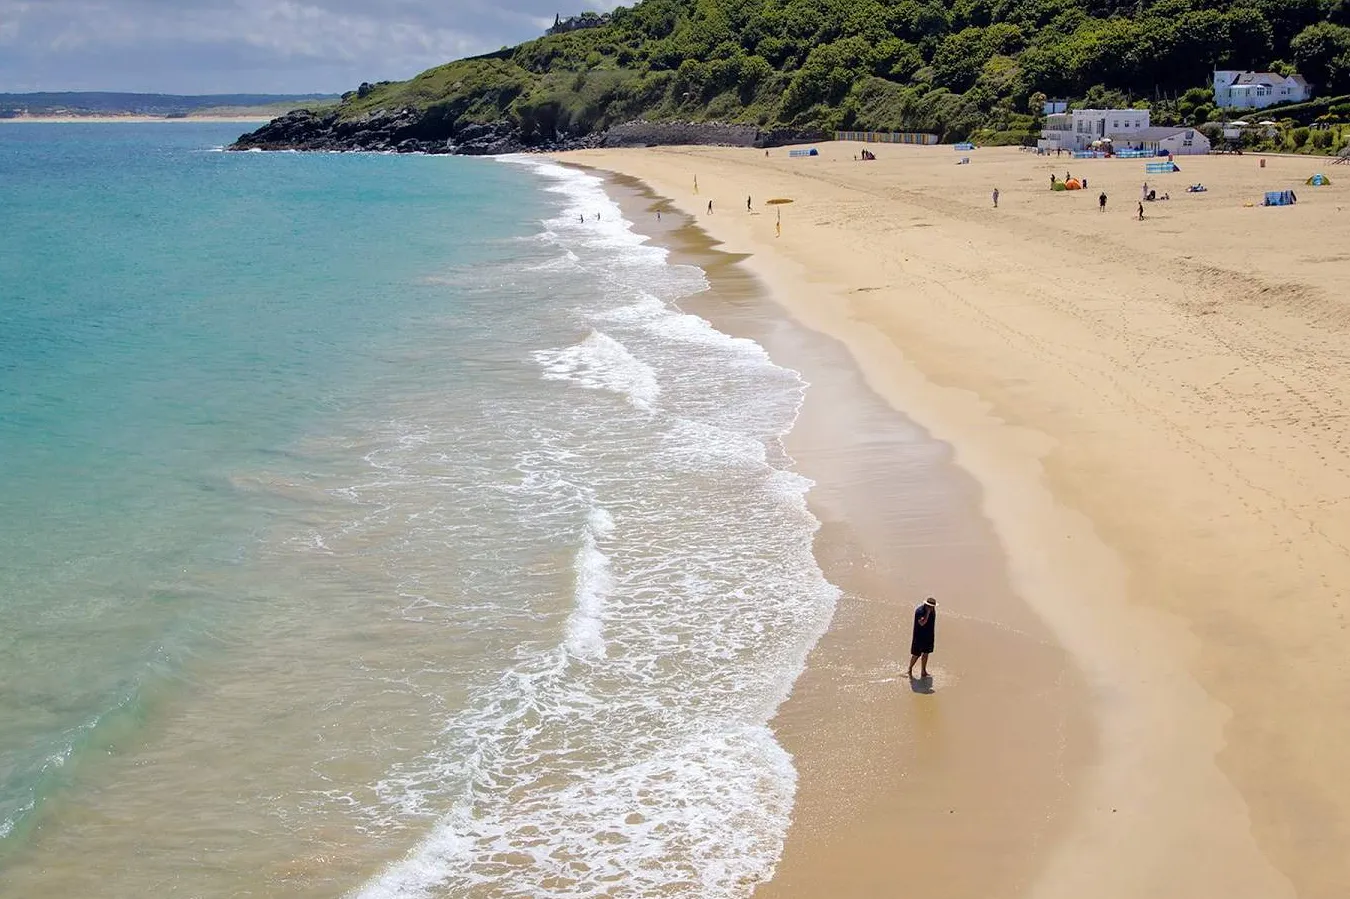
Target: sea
(380,526)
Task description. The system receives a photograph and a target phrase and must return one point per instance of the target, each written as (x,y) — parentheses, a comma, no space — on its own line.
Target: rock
(408,130)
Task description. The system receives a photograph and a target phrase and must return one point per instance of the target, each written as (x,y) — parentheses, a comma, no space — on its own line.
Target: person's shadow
(921,684)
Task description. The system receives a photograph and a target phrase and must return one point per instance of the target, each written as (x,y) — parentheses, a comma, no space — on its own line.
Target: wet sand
(1154,413)
(899,781)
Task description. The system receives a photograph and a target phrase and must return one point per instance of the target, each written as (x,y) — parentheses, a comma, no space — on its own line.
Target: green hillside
(949,66)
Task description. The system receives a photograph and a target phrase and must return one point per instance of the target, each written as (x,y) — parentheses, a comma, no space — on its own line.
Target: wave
(630,755)
(602,363)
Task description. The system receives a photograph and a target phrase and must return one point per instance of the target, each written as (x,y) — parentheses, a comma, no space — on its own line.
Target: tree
(1322,52)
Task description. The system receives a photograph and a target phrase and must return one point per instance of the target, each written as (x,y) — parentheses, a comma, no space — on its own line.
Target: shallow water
(375,526)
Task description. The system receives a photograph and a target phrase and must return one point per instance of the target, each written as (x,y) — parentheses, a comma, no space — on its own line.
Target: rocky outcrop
(408,130)
(395,131)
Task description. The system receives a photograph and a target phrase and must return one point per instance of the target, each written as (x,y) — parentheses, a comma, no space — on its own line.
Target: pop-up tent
(1073,184)
(1318,180)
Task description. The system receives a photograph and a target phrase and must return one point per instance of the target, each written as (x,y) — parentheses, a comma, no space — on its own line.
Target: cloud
(265,46)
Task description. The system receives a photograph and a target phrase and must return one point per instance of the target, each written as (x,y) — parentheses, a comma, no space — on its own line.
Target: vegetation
(955,67)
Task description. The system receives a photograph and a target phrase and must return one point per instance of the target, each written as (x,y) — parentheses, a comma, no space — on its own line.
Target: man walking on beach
(925,631)
(1101,202)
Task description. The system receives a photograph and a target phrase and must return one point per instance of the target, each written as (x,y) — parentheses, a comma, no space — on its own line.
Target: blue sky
(253,46)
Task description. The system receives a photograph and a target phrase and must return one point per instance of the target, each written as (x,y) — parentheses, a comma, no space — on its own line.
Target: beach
(1151,417)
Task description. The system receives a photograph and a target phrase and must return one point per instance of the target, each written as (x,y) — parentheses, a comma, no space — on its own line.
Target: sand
(1155,414)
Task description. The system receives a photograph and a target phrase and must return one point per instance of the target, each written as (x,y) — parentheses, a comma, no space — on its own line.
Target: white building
(1179,140)
(1077,130)
(1254,90)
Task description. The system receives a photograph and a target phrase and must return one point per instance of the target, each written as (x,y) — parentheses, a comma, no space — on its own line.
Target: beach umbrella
(777,201)
(1267,122)
(1239,124)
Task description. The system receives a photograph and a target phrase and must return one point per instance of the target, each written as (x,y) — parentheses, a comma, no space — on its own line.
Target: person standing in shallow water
(925,632)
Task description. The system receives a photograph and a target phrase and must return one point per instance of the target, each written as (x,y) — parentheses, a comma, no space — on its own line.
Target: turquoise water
(372,525)
(170,316)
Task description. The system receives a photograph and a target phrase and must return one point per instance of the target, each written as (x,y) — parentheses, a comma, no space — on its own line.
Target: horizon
(280,47)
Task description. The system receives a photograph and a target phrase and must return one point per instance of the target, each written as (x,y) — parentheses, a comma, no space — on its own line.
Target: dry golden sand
(1156,413)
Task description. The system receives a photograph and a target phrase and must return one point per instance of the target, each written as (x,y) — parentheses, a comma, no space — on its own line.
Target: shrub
(1299,136)
(1321,139)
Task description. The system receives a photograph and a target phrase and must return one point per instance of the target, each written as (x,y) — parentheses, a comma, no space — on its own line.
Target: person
(658,215)
(1101,202)
(710,207)
(747,205)
(1052,180)
(583,219)
(996,198)
(1143,191)
(925,631)
(1141,211)
(1084,184)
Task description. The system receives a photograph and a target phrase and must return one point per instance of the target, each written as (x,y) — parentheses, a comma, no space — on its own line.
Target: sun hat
(930,601)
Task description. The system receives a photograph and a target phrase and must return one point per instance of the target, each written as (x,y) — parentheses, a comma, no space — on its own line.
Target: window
(1115,124)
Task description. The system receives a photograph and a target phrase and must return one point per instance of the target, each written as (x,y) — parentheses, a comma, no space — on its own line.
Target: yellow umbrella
(780,202)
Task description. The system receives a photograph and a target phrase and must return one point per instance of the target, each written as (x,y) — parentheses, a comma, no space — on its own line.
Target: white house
(1254,90)
(1179,140)
(1077,130)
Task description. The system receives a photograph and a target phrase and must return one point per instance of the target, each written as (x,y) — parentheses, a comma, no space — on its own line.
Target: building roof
(1153,134)
(1259,78)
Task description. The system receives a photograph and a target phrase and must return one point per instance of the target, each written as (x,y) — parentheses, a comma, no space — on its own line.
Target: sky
(252,46)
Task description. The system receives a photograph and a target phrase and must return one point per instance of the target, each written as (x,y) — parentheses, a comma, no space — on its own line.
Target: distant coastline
(132,119)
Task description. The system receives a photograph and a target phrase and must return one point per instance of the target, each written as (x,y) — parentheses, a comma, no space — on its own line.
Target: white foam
(602,363)
(631,757)
(585,637)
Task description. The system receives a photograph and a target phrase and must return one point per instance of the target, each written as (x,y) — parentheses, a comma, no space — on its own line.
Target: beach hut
(1318,180)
